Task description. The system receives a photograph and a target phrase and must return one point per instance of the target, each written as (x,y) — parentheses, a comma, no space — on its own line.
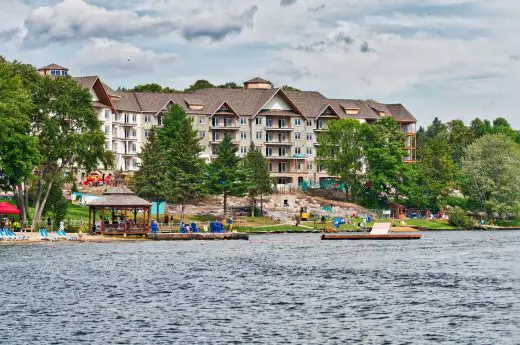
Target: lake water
(448,288)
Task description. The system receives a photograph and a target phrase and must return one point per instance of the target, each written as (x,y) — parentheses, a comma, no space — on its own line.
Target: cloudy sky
(445,58)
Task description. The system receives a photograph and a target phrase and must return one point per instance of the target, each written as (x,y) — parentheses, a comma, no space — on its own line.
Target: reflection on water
(450,288)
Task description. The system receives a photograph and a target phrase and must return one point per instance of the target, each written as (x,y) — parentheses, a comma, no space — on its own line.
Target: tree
(341,153)
(149,181)
(198,85)
(227,175)
(480,128)
(491,174)
(289,88)
(502,126)
(259,177)
(68,133)
(459,138)
(152,87)
(437,171)
(18,149)
(384,156)
(56,205)
(184,168)
(231,85)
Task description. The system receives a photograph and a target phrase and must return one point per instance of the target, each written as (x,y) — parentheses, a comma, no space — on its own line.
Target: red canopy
(7,208)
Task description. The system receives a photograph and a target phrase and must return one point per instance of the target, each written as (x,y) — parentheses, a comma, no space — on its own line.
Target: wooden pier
(338,237)
(198,236)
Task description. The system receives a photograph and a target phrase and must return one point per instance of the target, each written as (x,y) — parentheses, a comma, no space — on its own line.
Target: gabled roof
(52,66)
(400,113)
(86,82)
(365,112)
(258,80)
(310,103)
(119,196)
(378,106)
(246,102)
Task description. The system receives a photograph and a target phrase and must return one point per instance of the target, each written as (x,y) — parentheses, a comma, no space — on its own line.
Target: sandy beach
(35,239)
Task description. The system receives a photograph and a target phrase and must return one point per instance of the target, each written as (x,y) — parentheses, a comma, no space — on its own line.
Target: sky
(452,59)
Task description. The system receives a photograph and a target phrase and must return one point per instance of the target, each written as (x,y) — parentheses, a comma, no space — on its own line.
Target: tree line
(172,169)
(474,167)
(197,85)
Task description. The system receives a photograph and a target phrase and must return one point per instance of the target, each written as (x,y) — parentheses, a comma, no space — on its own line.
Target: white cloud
(76,19)
(120,58)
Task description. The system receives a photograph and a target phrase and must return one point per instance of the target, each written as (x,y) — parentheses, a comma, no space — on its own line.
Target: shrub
(460,219)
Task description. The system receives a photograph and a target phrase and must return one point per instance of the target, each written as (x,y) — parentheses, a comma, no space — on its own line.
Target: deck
(338,237)
(197,236)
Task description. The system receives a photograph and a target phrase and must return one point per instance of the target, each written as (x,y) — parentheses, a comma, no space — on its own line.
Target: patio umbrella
(7,208)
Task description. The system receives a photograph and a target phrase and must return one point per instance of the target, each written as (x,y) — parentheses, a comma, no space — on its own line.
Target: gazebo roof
(119,197)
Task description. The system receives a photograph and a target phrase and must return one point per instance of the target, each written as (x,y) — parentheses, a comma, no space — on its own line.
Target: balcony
(218,141)
(280,157)
(280,143)
(279,129)
(233,127)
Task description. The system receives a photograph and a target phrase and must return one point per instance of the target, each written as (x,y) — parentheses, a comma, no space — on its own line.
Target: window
(202,120)
(283,167)
(134,118)
(309,136)
(297,151)
(270,167)
(243,135)
(107,145)
(321,123)
(269,123)
(309,165)
(202,134)
(147,118)
(215,121)
(134,163)
(269,137)
(107,114)
(63,72)
(146,133)
(159,120)
(297,136)
(229,122)
(269,151)
(134,133)
(282,152)
(259,135)
(281,123)
(243,120)
(309,123)
(243,149)
(216,136)
(297,122)
(107,129)
(321,168)
(309,150)
(299,165)
(258,120)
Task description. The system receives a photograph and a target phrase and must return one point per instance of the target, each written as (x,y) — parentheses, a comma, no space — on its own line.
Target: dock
(338,237)
(198,236)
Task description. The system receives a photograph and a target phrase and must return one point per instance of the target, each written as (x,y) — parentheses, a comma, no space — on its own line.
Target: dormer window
(194,103)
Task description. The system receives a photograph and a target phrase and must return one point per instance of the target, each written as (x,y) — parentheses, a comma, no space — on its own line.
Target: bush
(460,219)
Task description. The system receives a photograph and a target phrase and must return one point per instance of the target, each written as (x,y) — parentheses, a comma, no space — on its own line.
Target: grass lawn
(428,224)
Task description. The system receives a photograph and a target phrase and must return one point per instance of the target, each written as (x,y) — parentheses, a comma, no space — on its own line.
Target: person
(155,227)
(230,223)
(166,219)
(62,226)
(297,220)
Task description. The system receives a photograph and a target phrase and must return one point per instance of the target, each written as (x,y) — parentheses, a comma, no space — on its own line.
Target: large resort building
(284,124)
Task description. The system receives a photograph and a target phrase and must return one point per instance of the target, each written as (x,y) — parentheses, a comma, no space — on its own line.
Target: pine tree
(227,175)
(260,179)
(184,167)
(150,179)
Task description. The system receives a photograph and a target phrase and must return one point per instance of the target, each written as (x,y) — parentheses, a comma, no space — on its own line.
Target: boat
(380,231)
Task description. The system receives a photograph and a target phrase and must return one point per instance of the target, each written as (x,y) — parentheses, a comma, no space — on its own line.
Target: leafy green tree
(260,179)
(149,181)
(289,88)
(68,133)
(480,128)
(491,169)
(152,87)
(384,156)
(18,149)
(502,126)
(435,128)
(437,173)
(227,175)
(56,205)
(198,85)
(184,166)
(341,153)
(231,85)
(459,138)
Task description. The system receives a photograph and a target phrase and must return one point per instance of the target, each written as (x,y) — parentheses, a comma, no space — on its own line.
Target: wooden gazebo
(119,212)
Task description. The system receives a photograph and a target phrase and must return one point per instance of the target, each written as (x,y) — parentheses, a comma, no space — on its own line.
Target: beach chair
(14,236)
(64,235)
(380,229)
(194,228)
(4,236)
(44,235)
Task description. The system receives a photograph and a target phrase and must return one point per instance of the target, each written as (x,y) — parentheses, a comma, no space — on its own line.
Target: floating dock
(198,236)
(338,237)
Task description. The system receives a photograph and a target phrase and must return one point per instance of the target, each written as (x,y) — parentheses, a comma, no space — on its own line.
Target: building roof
(86,82)
(400,113)
(365,112)
(258,80)
(52,66)
(310,103)
(119,197)
(243,101)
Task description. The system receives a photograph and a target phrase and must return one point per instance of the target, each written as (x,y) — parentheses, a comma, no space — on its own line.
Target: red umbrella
(7,208)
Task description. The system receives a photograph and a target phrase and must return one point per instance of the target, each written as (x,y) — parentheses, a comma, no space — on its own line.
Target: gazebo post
(103,221)
(89,228)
